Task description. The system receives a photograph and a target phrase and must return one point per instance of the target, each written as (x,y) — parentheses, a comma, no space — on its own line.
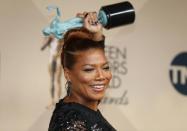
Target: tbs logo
(178,73)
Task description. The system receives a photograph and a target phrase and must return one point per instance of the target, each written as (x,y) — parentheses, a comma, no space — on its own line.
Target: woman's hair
(75,40)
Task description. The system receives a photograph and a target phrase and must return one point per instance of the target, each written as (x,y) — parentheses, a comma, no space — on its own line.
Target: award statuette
(110,16)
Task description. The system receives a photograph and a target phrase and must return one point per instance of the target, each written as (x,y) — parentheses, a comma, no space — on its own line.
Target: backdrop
(148,60)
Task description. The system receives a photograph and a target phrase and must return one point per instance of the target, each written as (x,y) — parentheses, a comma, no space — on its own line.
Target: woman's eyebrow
(105,63)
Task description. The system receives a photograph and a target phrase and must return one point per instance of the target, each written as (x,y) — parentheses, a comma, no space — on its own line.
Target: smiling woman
(89,76)
(87,72)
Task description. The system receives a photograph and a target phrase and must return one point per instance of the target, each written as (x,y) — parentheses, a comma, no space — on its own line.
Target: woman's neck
(83,101)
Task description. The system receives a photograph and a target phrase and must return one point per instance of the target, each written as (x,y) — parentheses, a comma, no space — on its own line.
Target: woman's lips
(98,88)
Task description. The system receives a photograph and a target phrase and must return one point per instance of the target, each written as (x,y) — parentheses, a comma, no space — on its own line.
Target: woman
(87,72)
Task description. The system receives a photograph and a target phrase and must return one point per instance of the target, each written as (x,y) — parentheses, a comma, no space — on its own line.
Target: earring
(68,87)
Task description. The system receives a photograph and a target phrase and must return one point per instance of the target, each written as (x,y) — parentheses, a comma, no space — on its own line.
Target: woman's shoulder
(67,116)
(74,116)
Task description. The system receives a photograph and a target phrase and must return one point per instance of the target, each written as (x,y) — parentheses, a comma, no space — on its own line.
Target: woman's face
(90,75)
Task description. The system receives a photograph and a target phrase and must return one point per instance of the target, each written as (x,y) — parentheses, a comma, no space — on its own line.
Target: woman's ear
(67,74)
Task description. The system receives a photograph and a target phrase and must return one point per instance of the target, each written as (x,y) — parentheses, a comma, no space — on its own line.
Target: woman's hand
(92,24)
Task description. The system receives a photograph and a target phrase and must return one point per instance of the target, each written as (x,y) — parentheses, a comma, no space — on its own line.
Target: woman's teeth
(98,87)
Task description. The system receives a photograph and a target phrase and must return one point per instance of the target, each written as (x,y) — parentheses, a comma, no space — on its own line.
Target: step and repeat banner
(148,59)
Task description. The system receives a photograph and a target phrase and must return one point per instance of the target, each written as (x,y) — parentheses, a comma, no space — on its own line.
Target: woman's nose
(100,75)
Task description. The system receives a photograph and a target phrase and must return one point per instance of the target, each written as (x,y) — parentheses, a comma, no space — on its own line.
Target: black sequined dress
(76,117)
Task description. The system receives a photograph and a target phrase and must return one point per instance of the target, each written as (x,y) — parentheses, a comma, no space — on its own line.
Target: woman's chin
(96,94)
(97,97)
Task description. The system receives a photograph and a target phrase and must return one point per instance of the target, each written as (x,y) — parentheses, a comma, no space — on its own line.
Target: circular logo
(178,73)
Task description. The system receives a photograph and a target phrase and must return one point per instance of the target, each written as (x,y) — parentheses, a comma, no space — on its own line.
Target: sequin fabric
(76,117)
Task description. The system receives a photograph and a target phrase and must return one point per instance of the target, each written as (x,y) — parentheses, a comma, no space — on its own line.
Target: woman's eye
(88,70)
(106,68)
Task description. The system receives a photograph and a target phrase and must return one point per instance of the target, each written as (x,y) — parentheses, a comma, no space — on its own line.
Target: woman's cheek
(86,77)
(108,75)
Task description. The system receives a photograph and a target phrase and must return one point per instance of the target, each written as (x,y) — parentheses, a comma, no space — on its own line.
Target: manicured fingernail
(96,22)
(85,15)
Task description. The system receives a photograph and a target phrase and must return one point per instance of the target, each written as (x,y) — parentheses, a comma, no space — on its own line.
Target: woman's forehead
(91,57)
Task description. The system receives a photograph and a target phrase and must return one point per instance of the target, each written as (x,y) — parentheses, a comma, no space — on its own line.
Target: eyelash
(91,69)
(88,70)
(106,68)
